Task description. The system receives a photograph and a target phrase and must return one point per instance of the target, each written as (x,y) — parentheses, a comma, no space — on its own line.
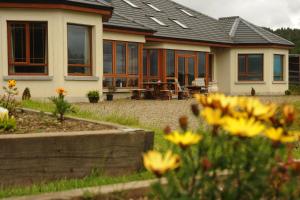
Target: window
(121,64)
(130,3)
(211,67)
(153,63)
(150,68)
(158,21)
(79,50)
(278,67)
(201,64)
(153,7)
(27,48)
(170,63)
(250,67)
(187,12)
(180,24)
(108,57)
(121,58)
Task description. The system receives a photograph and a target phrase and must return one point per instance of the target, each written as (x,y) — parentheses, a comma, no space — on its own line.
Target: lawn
(152,115)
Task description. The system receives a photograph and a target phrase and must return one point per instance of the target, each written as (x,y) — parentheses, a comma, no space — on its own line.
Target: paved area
(159,114)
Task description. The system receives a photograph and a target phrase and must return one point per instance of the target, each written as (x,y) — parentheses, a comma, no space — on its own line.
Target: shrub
(244,153)
(26,94)
(8,100)
(7,123)
(61,105)
(93,96)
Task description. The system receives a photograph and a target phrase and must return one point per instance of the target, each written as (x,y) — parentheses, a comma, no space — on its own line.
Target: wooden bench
(137,94)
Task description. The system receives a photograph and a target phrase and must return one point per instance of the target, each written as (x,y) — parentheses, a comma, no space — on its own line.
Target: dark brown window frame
(11,63)
(114,75)
(282,63)
(147,76)
(247,69)
(90,65)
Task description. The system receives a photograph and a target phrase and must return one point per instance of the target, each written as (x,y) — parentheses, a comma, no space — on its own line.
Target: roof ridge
(251,26)
(135,21)
(234,27)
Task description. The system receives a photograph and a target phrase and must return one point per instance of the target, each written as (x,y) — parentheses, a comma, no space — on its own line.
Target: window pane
(145,62)
(78,44)
(133,66)
(278,67)
(153,63)
(78,70)
(255,64)
(181,71)
(121,58)
(107,82)
(121,82)
(107,57)
(170,63)
(201,64)
(18,43)
(191,70)
(38,42)
(242,64)
(27,69)
(211,67)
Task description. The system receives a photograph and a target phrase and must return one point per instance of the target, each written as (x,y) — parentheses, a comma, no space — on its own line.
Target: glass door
(186,70)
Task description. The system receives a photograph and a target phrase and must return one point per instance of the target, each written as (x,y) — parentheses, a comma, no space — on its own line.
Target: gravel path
(159,114)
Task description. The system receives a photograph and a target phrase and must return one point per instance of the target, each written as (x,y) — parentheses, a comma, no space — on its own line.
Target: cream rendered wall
(267,86)
(41,86)
(227,72)
(177,47)
(123,37)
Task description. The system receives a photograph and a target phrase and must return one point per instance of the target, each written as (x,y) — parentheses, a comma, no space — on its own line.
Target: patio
(158,114)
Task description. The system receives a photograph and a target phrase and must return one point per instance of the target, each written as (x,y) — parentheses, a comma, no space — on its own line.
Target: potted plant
(93,96)
(110,93)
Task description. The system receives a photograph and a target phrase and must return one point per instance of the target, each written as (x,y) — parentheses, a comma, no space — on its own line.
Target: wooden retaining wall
(35,158)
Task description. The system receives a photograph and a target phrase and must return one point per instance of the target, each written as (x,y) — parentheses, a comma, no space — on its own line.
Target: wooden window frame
(247,74)
(11,63)
(282,64)
(90,65)
(128,76)
(148,76)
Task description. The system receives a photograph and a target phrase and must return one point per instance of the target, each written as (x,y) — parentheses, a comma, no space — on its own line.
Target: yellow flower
(243,127)
(159,164)
(183,140)
(255,108)
(212,116)
(289,113)
(278,135)
(12,83)
(216,100)
(61,91)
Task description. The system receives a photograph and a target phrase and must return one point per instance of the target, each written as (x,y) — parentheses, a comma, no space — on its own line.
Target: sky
(268,13)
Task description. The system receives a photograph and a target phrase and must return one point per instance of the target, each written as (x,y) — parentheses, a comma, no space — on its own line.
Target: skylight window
(158,21)
(180,24)
(187,12)
(130,3)
(153,7)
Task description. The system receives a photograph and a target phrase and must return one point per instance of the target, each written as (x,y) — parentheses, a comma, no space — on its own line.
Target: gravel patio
(159,114)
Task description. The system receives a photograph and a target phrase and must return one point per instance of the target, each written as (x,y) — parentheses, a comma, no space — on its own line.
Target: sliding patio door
(186,69)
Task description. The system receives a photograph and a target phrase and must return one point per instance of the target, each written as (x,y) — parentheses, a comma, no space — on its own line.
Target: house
(84,45)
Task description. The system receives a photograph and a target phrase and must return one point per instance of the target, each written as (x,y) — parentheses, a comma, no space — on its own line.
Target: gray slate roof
(244,32)
(231,30)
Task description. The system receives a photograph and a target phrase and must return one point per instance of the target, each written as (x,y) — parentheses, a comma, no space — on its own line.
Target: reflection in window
(170,63)
(121,82)
(145,62)
(278,67)
(133,52)
(27,47)
(154,62)
(107,82)
(107,57)
(121,58)
(201,64)
(79,49)
(250,67)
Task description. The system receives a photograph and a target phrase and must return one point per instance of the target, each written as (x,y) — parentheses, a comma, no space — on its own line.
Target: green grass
(62,185)
(93,180)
